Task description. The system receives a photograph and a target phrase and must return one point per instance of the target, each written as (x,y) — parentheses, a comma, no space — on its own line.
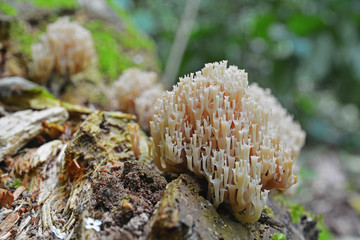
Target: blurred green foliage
(53,4)
(111,59)
(278,236)
(17,31)
(307,52)
(15,184)
(7,9)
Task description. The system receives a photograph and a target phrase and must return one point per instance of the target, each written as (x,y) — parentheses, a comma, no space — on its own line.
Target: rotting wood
(6,198)
(96,176)
(45,152)
(8,223)
(19,128)
(91,157)
(18,192)
(184,214)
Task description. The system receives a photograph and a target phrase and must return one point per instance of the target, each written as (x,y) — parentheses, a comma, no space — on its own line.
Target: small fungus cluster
(66,48)
(236,136)
(137,91)
(144,105)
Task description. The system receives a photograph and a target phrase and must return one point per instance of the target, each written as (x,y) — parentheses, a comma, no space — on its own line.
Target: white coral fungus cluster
(144,105)
(236,136)
(66,47)
(137,92)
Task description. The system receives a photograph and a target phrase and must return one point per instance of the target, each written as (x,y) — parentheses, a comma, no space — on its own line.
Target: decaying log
(8,223)
(18,128)
(99,185)
(184,214)
(100,181)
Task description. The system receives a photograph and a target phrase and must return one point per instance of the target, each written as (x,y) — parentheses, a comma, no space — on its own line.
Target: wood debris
(20,127)
(8,223)
(6,198)
(18,192)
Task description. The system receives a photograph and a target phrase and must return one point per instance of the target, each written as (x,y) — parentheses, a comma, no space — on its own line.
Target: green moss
(112,59)
(132,38)
(126,197)
(296,212)
(325,233)
(278,236)
(23,38)
(281,199)
(7,9)
(39,98)
(53,4)
(15,184)
(114,48)
(268,211)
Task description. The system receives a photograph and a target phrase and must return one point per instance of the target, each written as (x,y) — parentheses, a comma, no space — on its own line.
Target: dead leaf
(6,198)
(54,130)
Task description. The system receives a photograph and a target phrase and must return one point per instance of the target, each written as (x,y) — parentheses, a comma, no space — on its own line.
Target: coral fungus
(137,93)
(144,105)
(66,48)
(130,85)
(236,136)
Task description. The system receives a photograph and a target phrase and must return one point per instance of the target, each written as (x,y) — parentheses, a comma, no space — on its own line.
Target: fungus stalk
(236,136)
(134,138)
